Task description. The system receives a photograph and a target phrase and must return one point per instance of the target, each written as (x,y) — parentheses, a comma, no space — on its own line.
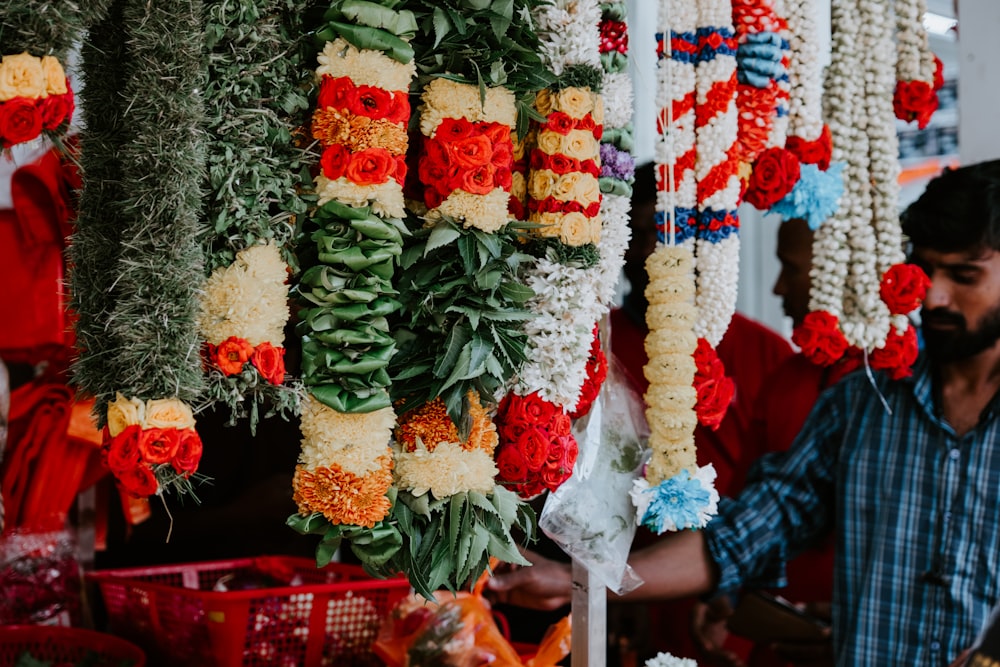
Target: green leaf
(442,26)
(311,524)
(503,547)
(457,339)
(516,292)
(441,235)
(326,550)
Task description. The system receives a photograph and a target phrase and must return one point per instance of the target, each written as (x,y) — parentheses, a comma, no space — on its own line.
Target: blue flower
(677,503)
(815,197)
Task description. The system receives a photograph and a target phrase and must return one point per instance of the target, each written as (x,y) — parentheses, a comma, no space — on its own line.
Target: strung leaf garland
(254,99)
(149,314)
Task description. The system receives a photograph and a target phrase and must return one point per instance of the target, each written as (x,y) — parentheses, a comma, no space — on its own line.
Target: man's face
(961,315)
(795,254)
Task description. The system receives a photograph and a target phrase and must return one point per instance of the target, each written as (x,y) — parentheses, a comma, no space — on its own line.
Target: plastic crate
(58,644)
(331,617)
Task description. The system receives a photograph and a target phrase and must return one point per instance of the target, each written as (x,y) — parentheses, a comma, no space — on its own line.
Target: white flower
(569,34)
(667,660)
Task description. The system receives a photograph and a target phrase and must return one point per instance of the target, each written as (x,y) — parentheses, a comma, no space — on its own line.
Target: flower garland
(675,493)
(918,70)
(668,660)
(35,96)
(137,249)
(857,253)
(254,99)
(343,483)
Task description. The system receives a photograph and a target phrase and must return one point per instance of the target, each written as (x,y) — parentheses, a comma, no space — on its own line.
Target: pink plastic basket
(331,617)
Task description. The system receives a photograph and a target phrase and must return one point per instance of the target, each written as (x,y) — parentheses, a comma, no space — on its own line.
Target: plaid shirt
(916,511)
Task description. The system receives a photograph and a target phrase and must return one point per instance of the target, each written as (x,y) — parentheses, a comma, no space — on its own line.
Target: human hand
(708,628)
(545,585)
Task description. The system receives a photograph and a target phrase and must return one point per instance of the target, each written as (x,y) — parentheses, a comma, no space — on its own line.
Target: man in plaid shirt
(906,473)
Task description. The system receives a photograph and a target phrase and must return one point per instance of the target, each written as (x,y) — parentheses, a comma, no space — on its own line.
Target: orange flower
(371,166)
(330,126)
(231,354)
(344,498)
(483,433)
(430,422)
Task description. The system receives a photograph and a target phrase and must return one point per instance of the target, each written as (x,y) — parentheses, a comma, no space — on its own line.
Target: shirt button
(947,516)
(935,646)
(954,454)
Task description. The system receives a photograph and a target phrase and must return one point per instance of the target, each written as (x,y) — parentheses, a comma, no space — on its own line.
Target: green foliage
(150,308)
(584,257)
(464,308)
(580,76)
(369,25)
(247,395)
(256,99)
(483,42)
(46,27)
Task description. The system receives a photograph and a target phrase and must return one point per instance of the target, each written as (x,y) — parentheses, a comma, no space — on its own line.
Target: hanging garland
(254,98)
(919,73)
(150,370)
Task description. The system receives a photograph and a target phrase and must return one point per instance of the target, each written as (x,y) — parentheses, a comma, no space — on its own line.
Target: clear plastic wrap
(591,516)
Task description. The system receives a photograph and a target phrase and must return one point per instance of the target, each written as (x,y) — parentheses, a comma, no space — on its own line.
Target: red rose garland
(597,372)
(903,288)
(820,339)
(775,173)
(896,357)
(232,354)
(715,390)
(35,96)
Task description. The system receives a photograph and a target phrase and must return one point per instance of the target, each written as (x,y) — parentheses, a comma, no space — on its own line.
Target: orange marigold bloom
(344,498)
(330,126)
(430,422)
(378,133)
(483,434)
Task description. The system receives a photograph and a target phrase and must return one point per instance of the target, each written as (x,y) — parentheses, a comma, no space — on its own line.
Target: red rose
(139,481)
(270,362)
(433,166)
(903,288)
(554,476)
(401,168)
(534,446)
(587,123)
(560,123)
(188,454)
(896,357)
(538,160)
(817,152)
(339,93)
(537,409)
(400,112)
(479,181)
(820,338)
(56,109)
(231,354)
(516,208)
(593,208)
(511,465)
(914,100)
(938,73)
(471,152)
(334,161)
(497,133)
(373,102)
(598,132)
(371,166)
(158,445)
(597,371)
(562,164)
(715,390)
(122,453)
(453,129)
(588,166)
(503,156)
(775,173)
(529,489)
(20,121)
(503,179)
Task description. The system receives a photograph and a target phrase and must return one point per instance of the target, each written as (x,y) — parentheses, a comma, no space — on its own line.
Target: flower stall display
(136,260)
(254,101)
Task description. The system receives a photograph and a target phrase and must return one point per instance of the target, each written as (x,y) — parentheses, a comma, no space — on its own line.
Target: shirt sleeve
(787,505)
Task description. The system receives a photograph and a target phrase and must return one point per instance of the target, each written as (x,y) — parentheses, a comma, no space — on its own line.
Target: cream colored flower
(541,183)
(595,230)
(446,471)
(484,212)
(587,189)
(552,223)
(575,229)
(543,101)
(566,184)
(518,186)
(364,66)
(354,441)
(21,75)
(576,102)
(580,144)
(598,112)
(55,76)
(124,412)
(550,142)
(168,413)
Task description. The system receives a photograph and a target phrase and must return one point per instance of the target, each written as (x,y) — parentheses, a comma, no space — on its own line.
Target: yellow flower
(580,144)
(344,498)
(124,412)
(354,441)
(595,230)
(487,212)
(575,229)
(364,67)
(587,189)
(541,183)
(21,76)
(55,76)
(598,112)
(550,142)
(448,470)
(552,223)
(518,187)
(576,102)
(566,185)
(543,101)
(168,413)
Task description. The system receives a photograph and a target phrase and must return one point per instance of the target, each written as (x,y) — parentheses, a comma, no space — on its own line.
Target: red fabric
(750,353)
(32,243)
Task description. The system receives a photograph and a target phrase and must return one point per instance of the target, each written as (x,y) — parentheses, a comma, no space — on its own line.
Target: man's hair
(644,187)
(959,210)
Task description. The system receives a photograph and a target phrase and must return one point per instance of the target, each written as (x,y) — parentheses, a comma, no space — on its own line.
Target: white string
(871,380)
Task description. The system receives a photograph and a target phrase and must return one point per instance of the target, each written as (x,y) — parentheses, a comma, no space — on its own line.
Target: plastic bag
(458,631)
(591,516)
(40,582)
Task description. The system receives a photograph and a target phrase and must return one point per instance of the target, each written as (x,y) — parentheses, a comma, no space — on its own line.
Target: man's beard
(959,343)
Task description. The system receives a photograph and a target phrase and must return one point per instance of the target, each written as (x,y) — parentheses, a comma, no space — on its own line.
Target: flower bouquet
(35,96)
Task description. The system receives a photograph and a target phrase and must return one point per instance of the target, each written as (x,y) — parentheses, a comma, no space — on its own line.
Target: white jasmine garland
(615,235)
(716,298)
(569,33)
(914,59)
(618,99)
(805,76)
